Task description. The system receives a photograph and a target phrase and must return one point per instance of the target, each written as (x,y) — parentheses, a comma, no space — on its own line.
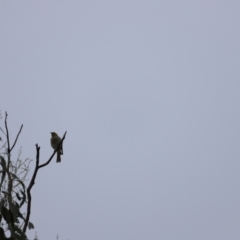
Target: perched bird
(55,140)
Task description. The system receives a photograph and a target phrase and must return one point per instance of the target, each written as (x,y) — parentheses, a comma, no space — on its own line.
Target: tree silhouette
(15,195)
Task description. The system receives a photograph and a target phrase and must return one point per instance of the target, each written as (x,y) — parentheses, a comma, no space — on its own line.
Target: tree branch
(29,189)
(32,182)
(16,138)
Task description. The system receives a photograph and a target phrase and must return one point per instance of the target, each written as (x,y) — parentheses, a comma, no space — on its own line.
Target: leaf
(19,234)
(16,211)
(1,204)
(3,163)
(7,215)
(30,225)
(24,198)
(22,191)
(2,234)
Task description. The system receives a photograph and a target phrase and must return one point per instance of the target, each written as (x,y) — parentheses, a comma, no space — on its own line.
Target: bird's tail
(58,157)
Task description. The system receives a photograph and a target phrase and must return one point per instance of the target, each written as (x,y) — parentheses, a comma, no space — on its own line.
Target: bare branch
(16,138)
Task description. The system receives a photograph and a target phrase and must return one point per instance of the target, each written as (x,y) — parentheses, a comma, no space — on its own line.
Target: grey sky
(149,94)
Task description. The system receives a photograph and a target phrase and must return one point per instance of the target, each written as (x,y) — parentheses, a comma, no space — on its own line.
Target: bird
(55,140)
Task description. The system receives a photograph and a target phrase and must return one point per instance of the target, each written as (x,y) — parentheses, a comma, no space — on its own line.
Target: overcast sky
(149,92)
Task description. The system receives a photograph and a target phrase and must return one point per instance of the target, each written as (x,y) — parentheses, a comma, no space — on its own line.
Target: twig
(16,138)
(6,115)
(2,131)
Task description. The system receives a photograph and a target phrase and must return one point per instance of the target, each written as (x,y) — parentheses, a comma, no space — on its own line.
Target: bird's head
(54,134)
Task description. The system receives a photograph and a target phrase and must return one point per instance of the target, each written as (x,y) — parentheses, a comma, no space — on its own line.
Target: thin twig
(6,115)
(2,131)
(16,138)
